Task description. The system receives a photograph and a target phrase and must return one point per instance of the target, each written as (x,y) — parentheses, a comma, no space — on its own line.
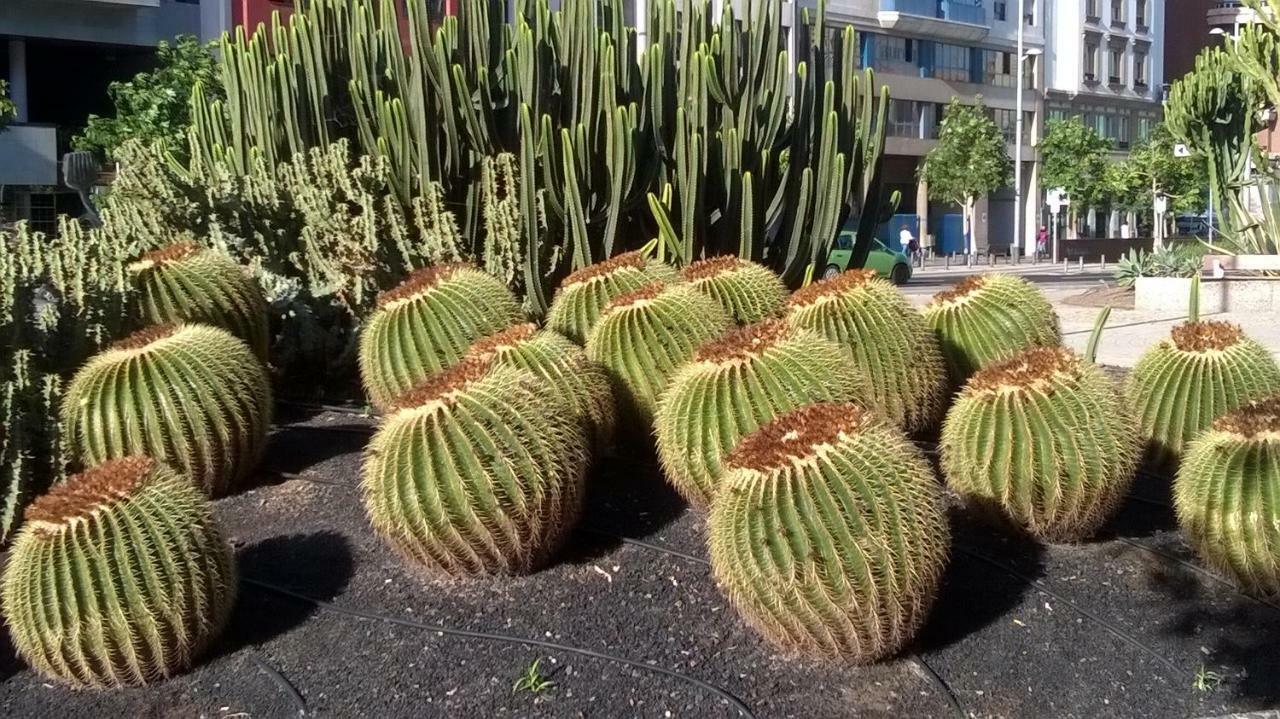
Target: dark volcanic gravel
(1115,628)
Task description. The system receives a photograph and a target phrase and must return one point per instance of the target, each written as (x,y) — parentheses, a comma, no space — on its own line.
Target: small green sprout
(533,680)
(1206,680)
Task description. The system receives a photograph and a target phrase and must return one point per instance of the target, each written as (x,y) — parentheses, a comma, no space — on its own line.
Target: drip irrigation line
(339,408)
(314,480)
(282,681)
(343,428)
(1198,570)
(936,679)
(646,545)
(1140,323)
(1111,628)
(724,694)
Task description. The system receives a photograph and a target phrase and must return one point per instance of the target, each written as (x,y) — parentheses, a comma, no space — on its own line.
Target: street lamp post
(1019,241)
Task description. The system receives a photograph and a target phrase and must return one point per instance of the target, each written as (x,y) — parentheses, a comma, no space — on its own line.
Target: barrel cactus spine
(734,384)
(563,365)
(426,323)
(184,282)
(828,533)
(478,470)
(1199,373)
(1226,495)
(748,291)
(1045,440)
(118,577)
(583,295)
(888,339)
(987,318)
(187,394)
(643,336)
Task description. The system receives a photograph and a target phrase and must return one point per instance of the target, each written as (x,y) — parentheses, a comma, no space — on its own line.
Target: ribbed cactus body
(889,341)
(583,295)
(425,325)
(733,385)
(987,318)
(1227,495)
(479,470)
(118,577)
(1201,372)
(828,533)
(643,336)
(563,366)
(1045,439)
(748,291)
(187,283)
(190,395)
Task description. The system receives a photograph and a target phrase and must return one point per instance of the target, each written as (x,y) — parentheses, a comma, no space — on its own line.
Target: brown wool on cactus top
(646,292)
(95,487)
(1024,370)
(1256,418)
(796,434)
(967,286)
(146,336)
(744,342)
(633,259)
(420,281)
(841,283)
(509,337)
(1206,336)
(711,267)
(170,253)
(442,384)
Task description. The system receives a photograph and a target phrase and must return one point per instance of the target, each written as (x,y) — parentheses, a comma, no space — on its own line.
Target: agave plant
(425,325)
(828,533)
(888,339)
(736,383)
(119,576)
(583,295)
(1226,499)
(749,292)
(478,470)
(190,395)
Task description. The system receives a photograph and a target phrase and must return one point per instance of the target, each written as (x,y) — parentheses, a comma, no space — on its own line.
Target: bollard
(1104,263)
(1064,264)
(1082,263)
(946,260)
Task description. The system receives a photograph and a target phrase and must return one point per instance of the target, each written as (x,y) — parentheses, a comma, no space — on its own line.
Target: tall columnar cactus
(987,318)
(184,282)
(749,292)
(119,576)
(1226,495)
(479,470)
(190,395)
(1045,439)
(563,366)
(645,335)
(583,295)
(888,338)
(733,385)
(828,533)
(425,325)
(1201,372)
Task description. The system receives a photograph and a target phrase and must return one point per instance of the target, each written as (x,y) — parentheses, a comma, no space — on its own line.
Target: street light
(1018,210)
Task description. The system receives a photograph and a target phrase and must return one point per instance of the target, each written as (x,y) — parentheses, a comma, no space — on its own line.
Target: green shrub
(749,292)
(119,576)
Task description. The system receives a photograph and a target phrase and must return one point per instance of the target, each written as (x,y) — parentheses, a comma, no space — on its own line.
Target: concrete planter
(1232,294)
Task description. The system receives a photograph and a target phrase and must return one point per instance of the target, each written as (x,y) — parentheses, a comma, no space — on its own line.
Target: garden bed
(628,622)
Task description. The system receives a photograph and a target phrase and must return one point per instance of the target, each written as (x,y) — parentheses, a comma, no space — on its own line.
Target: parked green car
(884,261)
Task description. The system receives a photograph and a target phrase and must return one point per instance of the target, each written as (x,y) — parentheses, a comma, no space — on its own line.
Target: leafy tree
(155,105)
(969,160)
(1151,167)
(8,108)
(1073,156)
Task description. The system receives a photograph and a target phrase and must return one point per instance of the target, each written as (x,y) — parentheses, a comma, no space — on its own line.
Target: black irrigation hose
(1139,324)
(724,694)
(1198,570)
(646,545)
(941,684)
(343,428)
(282,681)
(338,408)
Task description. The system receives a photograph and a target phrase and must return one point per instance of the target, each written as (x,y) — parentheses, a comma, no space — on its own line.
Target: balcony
(958,20)
(1230,15)
(131,3)
(29,155)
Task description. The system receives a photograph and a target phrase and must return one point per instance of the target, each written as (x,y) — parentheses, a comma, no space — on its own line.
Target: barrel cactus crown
(987,318)
(828,533)
(749,292)
(889,341)
(425,325)
(1045,439)
(644,335)
(583,295)
(562,365)
(478,470)
(1226,495)
(190,395)
(733,385)
(1199,373)
(184,282)
(118,577)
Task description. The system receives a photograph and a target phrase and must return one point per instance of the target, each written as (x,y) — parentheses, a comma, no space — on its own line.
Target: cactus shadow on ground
(9,662)
(1147,509)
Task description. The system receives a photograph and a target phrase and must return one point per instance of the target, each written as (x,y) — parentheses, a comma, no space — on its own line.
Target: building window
(953,62)
(896,55)
(1091,10)
(1115,76)
(1140,17)
(1090,62)
(1117,13)
(1000,9)
(1029,72)
(1145,124)
(999,68)
(904,118)
(1139,69)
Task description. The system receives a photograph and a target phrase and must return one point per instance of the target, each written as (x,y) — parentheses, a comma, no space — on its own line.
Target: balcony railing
(29,155)
(966,11)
